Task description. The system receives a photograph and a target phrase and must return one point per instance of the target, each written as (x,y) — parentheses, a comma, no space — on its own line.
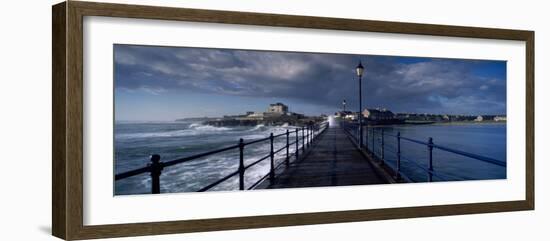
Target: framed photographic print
(171,120)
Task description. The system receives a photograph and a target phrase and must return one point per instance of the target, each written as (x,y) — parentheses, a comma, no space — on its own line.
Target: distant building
(348,115)
(296,115)
(342,114)
(378,114)
(256,115)
(279,108)
(351,116)
(448,117)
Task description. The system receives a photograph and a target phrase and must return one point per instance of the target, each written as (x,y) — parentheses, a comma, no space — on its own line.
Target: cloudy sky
(165,83)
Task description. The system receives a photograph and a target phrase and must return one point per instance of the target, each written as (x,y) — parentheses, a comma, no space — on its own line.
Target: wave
(207,128)
(144,122)
(274,129)
(253,137)
(201,172)
(196,129)
(193,130)
(258,127)
(194,175)
(195,125)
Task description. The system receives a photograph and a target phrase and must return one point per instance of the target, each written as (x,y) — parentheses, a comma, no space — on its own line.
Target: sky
(155,83)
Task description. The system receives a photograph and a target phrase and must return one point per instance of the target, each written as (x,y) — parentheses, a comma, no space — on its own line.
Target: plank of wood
(332,161)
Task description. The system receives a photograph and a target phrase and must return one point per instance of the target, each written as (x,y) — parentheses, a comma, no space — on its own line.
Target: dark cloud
(398,83)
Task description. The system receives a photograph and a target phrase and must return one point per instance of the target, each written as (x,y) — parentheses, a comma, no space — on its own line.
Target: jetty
(319,155)
(277,114)
(332,160)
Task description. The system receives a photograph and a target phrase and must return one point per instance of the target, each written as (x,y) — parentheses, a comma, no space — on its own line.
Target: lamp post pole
(360,70)
(344,104)
(360,115)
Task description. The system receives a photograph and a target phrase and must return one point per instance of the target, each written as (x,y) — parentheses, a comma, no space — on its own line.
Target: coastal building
(296,115)
(278,108)
(277,111)
(413,117)
(378,114)
(276,114)
(351,116)
(342,114)
(253,116)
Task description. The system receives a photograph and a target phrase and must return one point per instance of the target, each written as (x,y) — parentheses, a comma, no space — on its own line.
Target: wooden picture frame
(67,124)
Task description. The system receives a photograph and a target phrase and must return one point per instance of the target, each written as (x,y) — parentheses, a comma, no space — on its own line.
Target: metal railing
(429,144)
(308,135)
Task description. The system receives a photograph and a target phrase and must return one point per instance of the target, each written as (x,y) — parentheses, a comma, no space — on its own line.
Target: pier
(320,155)
(333,160)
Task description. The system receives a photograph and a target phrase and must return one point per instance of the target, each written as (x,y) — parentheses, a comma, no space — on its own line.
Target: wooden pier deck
(333,160)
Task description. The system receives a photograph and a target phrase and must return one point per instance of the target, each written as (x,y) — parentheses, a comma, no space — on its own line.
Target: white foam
(193,130)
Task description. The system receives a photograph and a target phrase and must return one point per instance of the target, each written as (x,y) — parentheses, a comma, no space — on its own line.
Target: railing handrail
(452,150)
(429,144)
(471,155)
(161,165)
(455,151)
(142,170)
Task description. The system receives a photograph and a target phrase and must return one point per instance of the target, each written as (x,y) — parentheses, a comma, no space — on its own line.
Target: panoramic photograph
(190,119)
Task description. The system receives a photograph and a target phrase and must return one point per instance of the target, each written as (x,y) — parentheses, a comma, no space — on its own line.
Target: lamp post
(344,104)
(359,70)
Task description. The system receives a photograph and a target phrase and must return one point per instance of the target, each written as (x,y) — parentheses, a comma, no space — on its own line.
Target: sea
(136,141)
(483,139)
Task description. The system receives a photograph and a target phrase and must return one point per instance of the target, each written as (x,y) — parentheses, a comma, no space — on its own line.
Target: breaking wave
(193,130)
(259,127)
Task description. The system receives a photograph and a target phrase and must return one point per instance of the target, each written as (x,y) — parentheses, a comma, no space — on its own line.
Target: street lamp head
(359,69)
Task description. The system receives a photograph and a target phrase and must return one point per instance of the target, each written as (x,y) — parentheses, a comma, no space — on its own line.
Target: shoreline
(471,123)
(446,123)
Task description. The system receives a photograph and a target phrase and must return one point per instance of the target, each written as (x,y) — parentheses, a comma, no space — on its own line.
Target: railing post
(303,140)
(310,134)
(382,145)
(372,138)
(343,125)
(360,137)
(367,138)
(360,132)
(307,136)
(398,172)
(357,134)
(297,144)
(241,164)
(430,164)
(287,161)
(316,130)
(272,167)
(156,169)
